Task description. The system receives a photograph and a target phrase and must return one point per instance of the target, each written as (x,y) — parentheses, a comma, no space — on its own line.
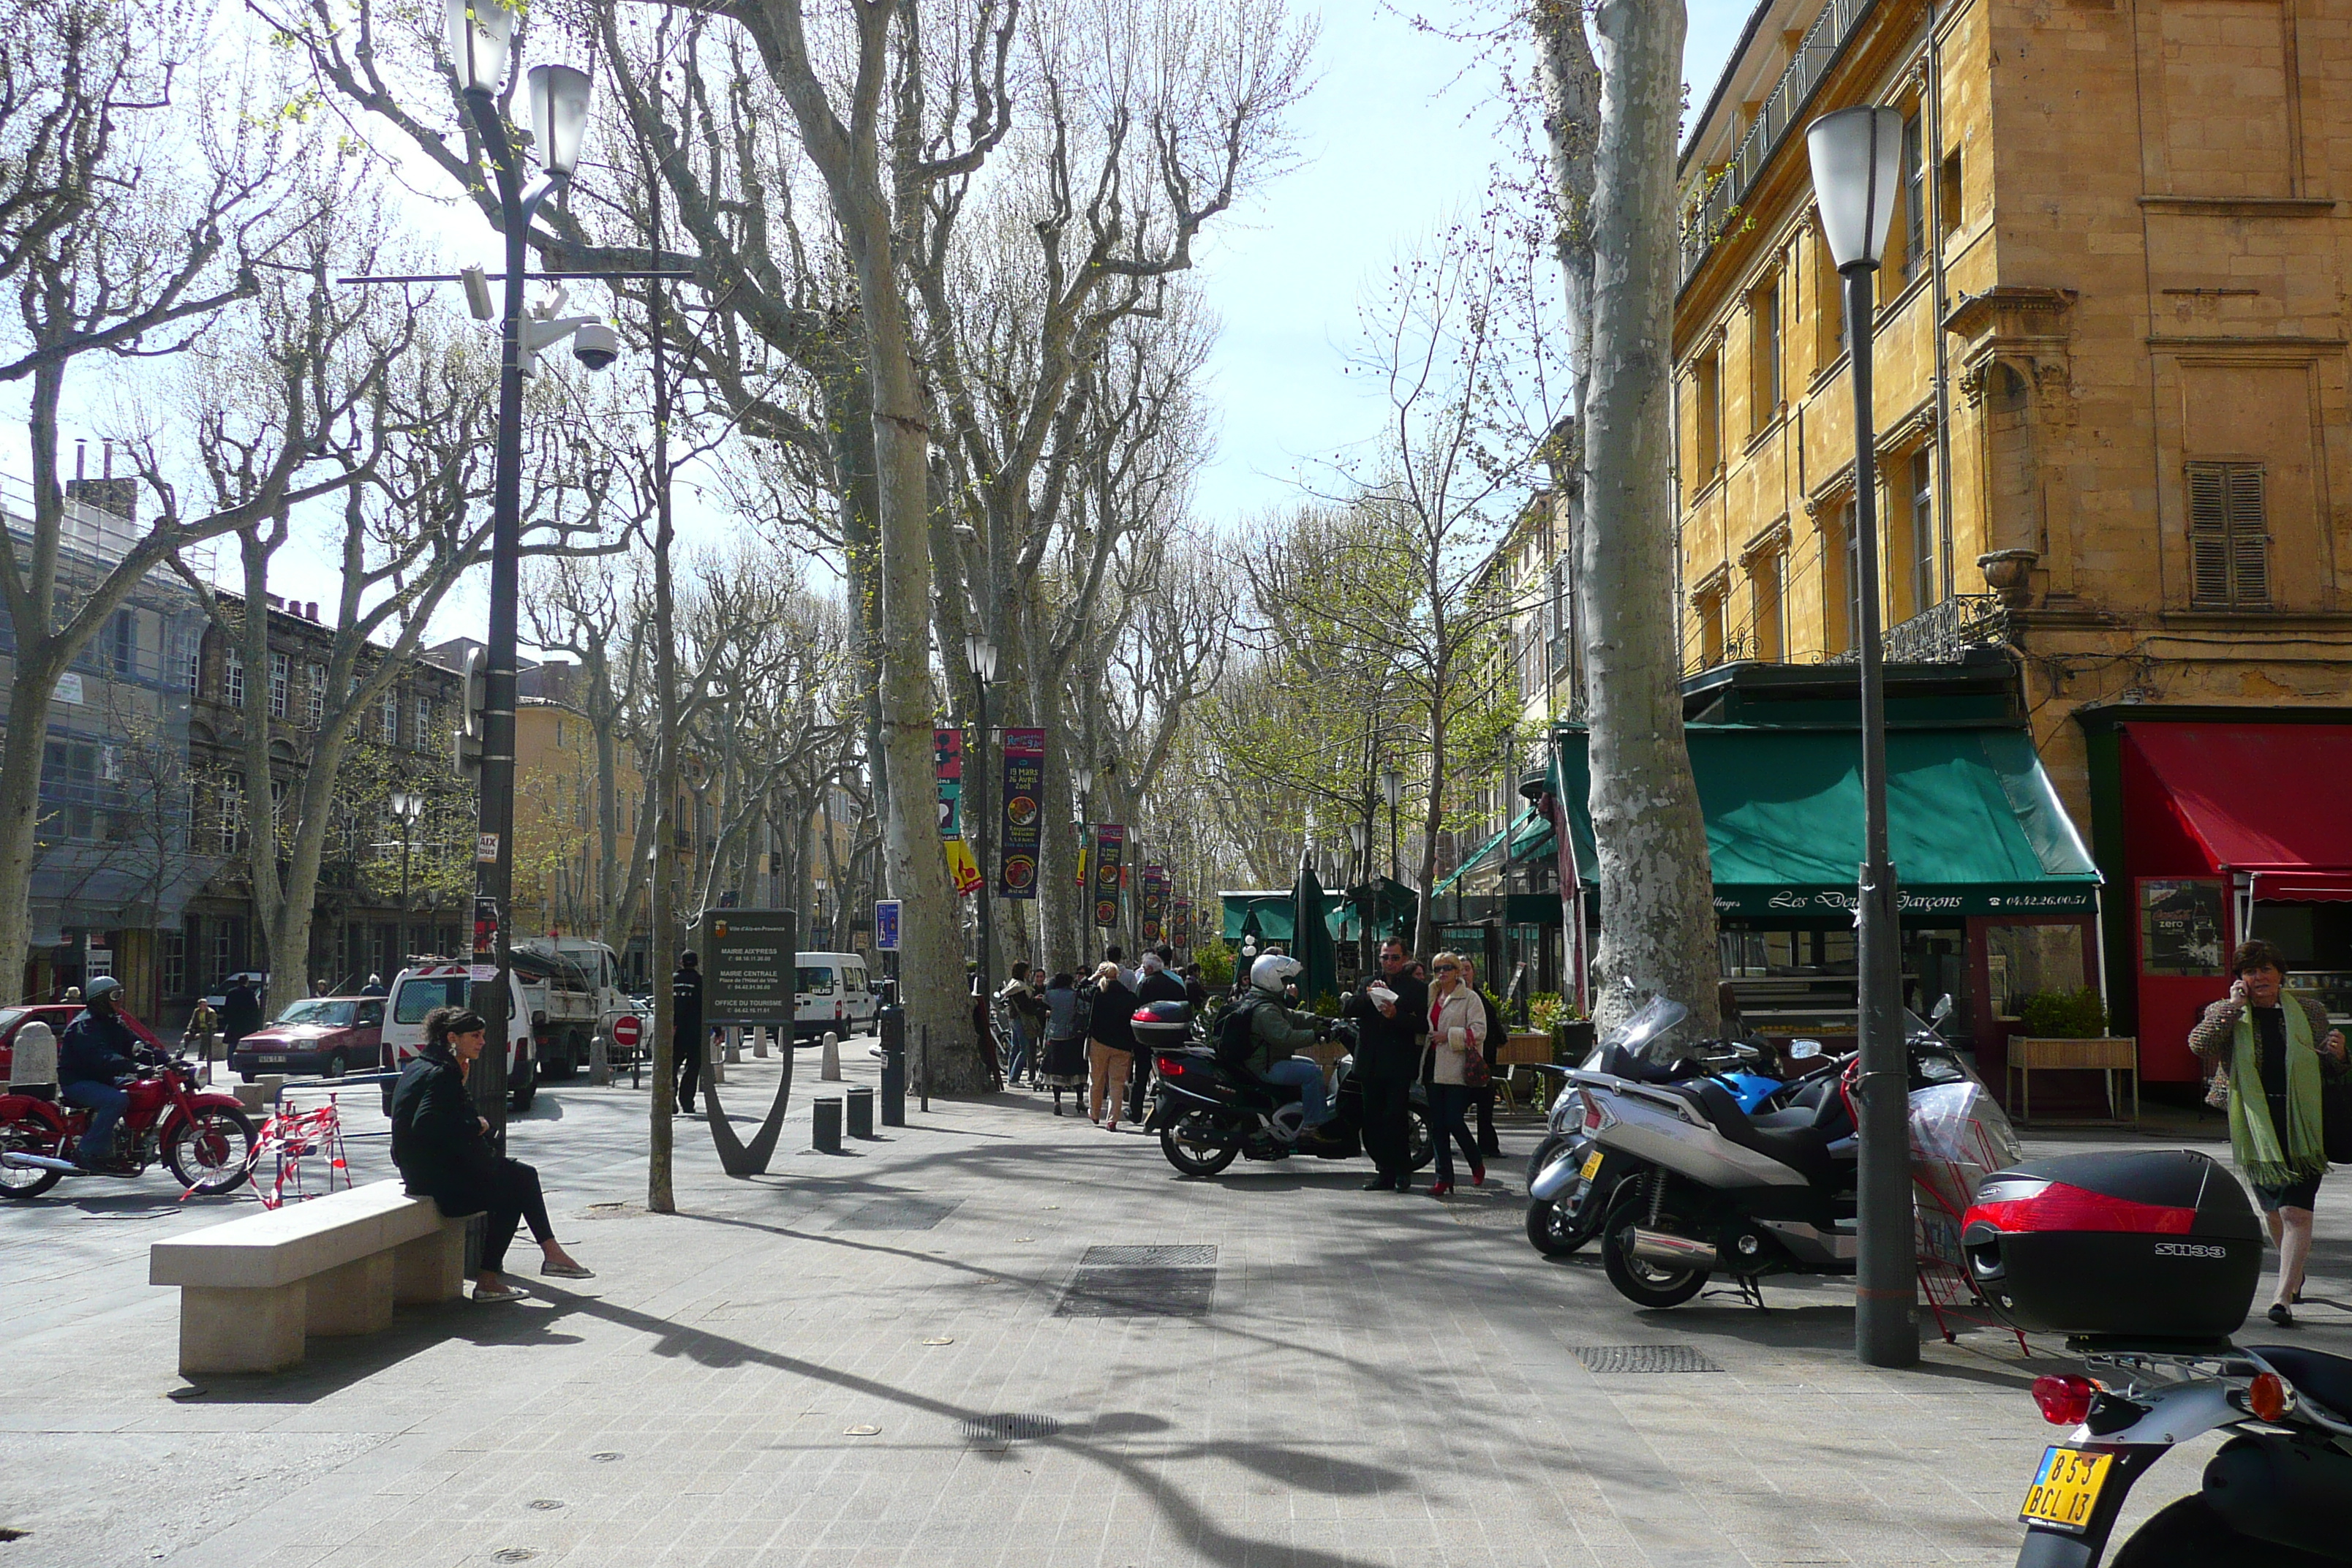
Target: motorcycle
(202,1135)
(1209,1114)
(1570,1178)
(2279,1494)
(1752,1196)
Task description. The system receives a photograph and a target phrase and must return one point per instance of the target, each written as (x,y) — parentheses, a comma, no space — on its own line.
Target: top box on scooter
(1163,1025)
(2158,1244)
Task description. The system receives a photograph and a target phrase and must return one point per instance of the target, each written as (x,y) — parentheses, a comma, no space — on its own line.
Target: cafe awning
(1975,827)
(1530,838)
(2261,799)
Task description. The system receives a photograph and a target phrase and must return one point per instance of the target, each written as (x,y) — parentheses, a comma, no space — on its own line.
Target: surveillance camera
(595,345)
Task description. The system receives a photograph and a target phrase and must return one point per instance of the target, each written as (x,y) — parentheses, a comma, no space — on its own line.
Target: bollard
(714,1063)
(824,1124)
(861,1112)
(890,1023)
(759,1042)
(600,1062)
(829,1064)
(734,1045)
(923,1070)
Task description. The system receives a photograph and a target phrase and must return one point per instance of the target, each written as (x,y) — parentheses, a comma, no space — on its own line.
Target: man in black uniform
(1388,1058)
(687,1042)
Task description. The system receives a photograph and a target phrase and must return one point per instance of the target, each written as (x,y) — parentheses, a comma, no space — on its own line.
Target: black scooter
(1209,1114)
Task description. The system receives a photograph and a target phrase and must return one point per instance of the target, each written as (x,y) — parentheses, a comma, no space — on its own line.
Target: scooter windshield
(1647,1032)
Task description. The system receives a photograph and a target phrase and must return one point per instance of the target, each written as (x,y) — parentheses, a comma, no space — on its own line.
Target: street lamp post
(1082,778)
(1359,834)
(407,806)
(1392,788)
(1856,165)
(479,33)
(981,653)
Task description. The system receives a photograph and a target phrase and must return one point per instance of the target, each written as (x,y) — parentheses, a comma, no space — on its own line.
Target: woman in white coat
(1457,1031)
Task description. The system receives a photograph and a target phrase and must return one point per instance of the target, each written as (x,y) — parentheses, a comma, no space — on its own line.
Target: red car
(57,1015)
(329,1036)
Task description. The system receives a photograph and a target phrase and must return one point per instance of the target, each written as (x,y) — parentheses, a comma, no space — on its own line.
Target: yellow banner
(961,866)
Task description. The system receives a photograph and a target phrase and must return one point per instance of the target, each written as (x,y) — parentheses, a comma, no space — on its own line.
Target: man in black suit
(1388,1059)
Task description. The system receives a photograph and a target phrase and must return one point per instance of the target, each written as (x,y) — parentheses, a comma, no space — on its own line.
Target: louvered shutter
(2209,535)
(2250,563)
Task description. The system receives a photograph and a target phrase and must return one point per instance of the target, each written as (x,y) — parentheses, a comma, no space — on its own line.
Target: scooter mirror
(1804,1050)
(1943,1008)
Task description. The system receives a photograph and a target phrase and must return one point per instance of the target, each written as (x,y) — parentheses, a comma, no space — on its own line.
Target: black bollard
(891,1024)
(826,1125)
(861,1112)
(923,1070)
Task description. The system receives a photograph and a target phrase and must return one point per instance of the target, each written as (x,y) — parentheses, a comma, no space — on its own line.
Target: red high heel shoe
(1477,1175)
(1439,1189)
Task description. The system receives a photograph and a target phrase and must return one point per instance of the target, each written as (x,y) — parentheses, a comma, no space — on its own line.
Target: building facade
(2110,397)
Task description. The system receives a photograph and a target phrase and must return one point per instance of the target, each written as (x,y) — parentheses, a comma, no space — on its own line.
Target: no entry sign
(627,1030)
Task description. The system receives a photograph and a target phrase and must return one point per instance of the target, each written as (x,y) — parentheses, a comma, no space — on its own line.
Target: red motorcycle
(203,1135)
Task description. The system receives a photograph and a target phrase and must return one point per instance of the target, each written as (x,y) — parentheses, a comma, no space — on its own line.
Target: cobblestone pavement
(901,1355)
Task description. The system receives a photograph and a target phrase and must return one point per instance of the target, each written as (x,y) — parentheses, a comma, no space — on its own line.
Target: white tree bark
(1657,912)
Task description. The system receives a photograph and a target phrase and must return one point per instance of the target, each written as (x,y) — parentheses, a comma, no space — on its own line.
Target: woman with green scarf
(2272,1051)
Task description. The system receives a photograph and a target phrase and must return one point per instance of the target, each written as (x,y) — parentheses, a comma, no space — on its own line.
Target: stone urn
(2010,572)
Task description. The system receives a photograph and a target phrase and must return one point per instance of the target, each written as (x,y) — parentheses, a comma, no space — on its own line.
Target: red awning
(2263,798)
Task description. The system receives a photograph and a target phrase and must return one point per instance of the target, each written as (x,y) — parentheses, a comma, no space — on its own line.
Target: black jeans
(507,1193)
(1447,1103)
(689,1045)
(1388,1137)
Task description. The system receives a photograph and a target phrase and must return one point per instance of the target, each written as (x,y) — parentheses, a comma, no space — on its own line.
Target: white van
(834,996)
(431,982)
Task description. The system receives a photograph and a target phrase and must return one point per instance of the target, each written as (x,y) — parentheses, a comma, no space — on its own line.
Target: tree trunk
(1657,913)
(21,753)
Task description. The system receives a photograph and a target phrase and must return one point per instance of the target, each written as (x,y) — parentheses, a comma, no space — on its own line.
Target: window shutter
(2250,541)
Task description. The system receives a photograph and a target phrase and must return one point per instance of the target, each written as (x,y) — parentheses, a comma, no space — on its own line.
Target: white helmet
(1269,973)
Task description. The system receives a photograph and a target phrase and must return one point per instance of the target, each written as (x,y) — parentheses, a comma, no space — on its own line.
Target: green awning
(1975,827)
(1266,915)
(1531,838)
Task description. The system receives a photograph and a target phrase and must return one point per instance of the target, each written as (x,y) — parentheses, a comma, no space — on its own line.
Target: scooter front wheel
(1193,1147)
(1555,1231)
(1639,1282)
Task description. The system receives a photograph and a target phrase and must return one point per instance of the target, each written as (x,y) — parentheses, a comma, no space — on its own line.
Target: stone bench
(253,1289)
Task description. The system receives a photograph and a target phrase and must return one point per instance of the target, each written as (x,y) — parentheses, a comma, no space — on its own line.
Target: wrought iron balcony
(1943,634)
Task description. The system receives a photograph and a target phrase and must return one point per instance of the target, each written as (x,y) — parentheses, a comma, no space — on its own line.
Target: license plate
(2066,1487)
(1592,1166)
(271,1061)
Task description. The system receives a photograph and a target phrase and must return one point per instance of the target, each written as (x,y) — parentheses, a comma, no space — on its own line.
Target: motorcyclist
(1274,1032)
(97,1049)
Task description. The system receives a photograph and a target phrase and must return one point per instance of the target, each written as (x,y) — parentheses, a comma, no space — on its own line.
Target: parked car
(57,1015)
(329,1036)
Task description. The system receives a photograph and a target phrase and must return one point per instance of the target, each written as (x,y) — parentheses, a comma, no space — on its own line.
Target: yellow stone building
(2110,397)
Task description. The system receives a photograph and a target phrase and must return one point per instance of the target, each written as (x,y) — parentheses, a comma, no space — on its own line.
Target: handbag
(2216,1088)
(1476,1074)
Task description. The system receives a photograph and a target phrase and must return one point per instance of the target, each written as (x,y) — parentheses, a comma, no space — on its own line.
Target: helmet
(104,985)
(1269,973)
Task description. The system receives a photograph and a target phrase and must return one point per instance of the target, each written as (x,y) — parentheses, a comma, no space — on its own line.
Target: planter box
(2106,1056)
(1524,1048)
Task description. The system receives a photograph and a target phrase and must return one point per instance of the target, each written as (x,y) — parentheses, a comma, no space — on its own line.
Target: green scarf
(2253,1139)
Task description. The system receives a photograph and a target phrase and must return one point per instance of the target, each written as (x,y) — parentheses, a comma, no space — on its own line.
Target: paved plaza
(910,1353)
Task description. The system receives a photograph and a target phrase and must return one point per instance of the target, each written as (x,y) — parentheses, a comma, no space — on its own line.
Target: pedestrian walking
(1457,1030)
(1066,1017)
(1391,1016)
(443,1152)
(1154,984)
(2270,1052)
(1196,990)
(1111,1037)
(687,1038)
(1116,956)
(1496,1033)
(1025,1013)
(240,1011)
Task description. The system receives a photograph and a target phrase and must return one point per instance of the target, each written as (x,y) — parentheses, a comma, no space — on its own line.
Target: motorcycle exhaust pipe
(1668,1250)
(23,1161)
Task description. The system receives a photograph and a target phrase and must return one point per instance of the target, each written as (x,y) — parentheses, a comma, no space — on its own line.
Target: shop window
(1920,546)
(2229,537)
(1763,356)
(1707,419)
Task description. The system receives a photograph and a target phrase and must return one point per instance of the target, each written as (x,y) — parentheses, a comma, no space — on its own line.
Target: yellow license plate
(1592,1166)
(2066,1488)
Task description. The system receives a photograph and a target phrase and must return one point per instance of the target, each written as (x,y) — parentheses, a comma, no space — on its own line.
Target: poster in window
(2181,925)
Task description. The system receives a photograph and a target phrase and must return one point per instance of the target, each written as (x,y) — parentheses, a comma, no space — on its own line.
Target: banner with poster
(1154,911)
(962,868)
(947,765)
(1110,851)
(1180,924)
(1024,813)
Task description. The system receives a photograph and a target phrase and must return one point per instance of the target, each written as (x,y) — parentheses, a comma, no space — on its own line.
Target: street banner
(947,764)
(1110,849)
(1024,813)
(750,970)
(1180,924)
(1155,903)
(963,868)
(885,925)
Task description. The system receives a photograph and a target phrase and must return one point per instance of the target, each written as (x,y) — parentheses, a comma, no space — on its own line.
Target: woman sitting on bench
(443,1153)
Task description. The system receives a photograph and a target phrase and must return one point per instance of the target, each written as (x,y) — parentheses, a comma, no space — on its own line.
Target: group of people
(1423,1023)
(1053,1020)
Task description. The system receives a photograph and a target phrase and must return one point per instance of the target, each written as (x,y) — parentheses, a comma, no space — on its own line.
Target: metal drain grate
(898,1214)
(1007,1429)
(1139,1293)
(1150,1258)
(1644,1358)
